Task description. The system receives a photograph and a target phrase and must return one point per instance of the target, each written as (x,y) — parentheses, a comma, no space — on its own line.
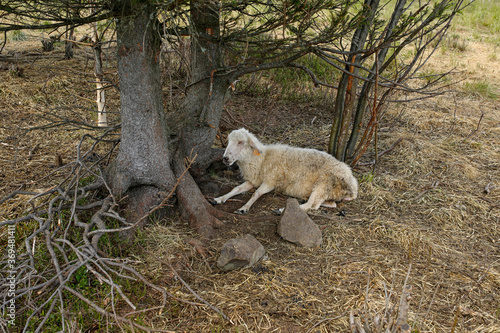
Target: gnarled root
(193,205)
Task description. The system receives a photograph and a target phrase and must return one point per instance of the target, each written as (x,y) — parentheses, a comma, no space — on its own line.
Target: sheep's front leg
(245,187)
(263,189)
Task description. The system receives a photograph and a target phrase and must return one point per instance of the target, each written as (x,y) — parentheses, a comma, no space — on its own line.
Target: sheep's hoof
(241,211)
(212,201)
(278,211)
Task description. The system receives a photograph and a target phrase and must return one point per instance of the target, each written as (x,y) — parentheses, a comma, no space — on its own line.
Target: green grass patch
(455,42)
(367,177)
(481,88)
(482,16)
(17,36)
(294,84)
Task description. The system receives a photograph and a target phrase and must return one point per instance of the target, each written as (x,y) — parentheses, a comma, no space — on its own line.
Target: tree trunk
(202,108)
(145,168)
(68,44)
(144,157)
(368,84)
(99,80)
(346,92)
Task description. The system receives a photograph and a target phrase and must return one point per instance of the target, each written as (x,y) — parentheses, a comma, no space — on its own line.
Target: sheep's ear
(256,150)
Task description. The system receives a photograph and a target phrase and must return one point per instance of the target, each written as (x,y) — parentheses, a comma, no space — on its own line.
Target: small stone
(240,252)
(296,227)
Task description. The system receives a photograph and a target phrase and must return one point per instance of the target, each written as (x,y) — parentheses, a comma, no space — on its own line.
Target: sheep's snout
(228,158)
(231,154)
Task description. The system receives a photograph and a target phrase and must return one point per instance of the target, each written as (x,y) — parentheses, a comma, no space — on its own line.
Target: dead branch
(322,321)
(108,314)
(426,189)
(477,127)
(234,119)
(403,307)
(381,154)
(15,194)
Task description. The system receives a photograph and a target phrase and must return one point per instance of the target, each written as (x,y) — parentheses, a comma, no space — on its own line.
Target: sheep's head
(241,146)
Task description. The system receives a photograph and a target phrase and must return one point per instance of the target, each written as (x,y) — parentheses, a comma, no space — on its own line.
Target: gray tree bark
(144,157)
(202,108)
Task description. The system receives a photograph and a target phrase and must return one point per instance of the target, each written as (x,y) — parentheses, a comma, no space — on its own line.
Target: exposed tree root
(140,202)
(193,205)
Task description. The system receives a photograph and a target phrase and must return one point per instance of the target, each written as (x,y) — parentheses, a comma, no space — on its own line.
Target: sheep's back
(295,171)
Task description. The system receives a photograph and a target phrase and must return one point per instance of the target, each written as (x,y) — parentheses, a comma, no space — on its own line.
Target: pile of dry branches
(58,238)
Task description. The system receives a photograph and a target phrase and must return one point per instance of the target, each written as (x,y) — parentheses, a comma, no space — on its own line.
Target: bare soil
(428,214)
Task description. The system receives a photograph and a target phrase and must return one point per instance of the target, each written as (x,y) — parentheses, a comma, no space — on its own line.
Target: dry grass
(423,215)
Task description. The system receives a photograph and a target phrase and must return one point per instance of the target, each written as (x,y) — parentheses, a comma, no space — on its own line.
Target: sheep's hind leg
(329,204)
(316,199)
(263,189)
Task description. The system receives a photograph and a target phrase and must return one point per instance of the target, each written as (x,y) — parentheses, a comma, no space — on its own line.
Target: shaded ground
(423,215)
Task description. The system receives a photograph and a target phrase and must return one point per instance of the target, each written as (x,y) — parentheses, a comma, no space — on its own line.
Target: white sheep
(297,172)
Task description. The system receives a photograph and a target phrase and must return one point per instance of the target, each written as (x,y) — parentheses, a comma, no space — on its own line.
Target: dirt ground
(428,214)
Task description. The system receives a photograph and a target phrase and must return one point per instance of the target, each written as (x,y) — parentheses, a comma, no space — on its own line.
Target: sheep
(297,172)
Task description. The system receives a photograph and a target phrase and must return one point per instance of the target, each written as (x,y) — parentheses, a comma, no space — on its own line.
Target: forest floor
(428,213)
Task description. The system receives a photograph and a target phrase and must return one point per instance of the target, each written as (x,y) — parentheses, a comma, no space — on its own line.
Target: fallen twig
(322,321)
(393,318)
(16,193)
(106,313)
(381,154)
(195,294)
(427,189)
(487,188)
(403,307)
(234,119)
(477,127)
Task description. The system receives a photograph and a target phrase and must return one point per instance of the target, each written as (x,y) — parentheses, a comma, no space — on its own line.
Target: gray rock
(240,252)
(296,227)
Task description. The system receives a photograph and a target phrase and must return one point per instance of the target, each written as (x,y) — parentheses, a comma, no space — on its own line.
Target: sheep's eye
(240,142)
